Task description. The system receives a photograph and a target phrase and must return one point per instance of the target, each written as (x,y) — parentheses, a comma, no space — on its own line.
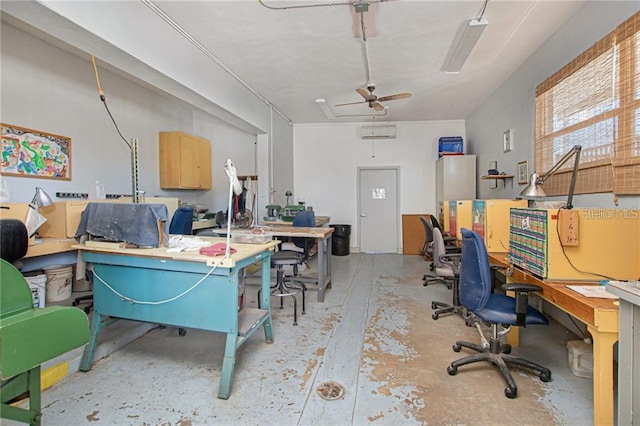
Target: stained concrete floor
(373,334)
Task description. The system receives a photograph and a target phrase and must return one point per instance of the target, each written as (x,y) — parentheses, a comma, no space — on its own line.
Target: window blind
(594,101)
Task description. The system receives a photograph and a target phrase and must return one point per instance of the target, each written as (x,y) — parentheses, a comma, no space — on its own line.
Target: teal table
(179,289)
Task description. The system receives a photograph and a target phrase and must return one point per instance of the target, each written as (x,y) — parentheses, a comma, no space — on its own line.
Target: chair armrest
(452,259)
(518,287)
(522,299)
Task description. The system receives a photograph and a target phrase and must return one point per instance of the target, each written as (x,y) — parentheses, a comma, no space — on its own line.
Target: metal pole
(134,170)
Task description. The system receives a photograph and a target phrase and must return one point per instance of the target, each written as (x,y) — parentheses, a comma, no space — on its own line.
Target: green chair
(29,337)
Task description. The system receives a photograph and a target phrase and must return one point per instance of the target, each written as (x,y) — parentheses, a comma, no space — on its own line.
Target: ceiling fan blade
(393,97)
(377,106)
(363,93)
(351,103)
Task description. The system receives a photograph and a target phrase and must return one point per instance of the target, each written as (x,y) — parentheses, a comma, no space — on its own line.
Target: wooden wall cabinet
(185,161)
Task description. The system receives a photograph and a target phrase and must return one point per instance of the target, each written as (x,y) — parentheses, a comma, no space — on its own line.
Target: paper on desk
(597,291)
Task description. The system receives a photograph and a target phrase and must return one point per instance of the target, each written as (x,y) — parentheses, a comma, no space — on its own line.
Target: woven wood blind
(594,101)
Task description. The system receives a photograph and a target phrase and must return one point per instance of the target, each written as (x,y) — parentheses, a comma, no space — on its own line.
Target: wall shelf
(503,178)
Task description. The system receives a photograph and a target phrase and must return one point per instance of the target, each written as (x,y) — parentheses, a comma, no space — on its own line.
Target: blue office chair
(494,309)
(182,221)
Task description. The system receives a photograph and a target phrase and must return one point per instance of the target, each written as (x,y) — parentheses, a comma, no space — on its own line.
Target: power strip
(84,195)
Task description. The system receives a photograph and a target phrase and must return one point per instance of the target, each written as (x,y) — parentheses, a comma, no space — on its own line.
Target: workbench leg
(228,364)
(321,261)
(34,396)
(89,350)
(602,376)
(266,294)
(329,253)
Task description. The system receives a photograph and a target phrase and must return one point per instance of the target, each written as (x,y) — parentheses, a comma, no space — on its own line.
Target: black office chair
(494,309)
(289,285)
(449,240)
(182,221)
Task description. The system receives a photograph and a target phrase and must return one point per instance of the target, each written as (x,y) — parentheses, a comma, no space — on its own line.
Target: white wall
(512,105)
(326,158)
(49,89)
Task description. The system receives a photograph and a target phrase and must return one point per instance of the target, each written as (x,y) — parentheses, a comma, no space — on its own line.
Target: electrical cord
(484,8)
(567,257)
(159,302)
(103,98)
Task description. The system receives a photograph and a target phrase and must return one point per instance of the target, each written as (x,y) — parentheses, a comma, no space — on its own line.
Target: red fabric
(218,249)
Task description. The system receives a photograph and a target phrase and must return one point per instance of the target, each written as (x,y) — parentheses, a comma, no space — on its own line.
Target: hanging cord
(159,302)
(484,8)
(103,98)
(567,257)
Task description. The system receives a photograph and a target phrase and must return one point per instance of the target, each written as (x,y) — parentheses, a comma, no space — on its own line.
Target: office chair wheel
(452,370)
(433,306)
(435,316)
(511,392)
(545,376)
(456,347)
(182,332)
(506,349)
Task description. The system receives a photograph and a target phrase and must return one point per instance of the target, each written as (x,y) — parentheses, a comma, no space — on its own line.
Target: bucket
(59,282)
(38,286)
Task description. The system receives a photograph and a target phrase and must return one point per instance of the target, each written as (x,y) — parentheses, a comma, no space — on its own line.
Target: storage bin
(450,145)
(580,358)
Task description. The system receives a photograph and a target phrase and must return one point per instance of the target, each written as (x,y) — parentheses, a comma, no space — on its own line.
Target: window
(594,101)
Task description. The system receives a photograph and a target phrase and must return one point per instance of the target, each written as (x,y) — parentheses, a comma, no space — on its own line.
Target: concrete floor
(374,335)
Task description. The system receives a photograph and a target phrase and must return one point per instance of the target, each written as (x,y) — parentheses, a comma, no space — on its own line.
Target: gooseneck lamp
(534,189)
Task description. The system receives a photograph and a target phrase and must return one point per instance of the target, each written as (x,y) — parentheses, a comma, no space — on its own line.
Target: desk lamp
(234,187)
(34,219)
(534,189)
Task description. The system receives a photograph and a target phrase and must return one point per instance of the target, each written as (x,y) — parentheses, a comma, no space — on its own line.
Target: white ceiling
(292,57)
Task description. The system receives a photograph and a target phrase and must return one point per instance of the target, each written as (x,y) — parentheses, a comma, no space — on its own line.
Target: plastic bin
(340,240)
(450,145)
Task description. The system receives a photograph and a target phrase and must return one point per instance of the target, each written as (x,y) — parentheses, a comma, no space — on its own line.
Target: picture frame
(523,172)
(34,153)
(507,140)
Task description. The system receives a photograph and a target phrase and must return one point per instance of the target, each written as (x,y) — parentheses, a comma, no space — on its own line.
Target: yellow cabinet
(185,161)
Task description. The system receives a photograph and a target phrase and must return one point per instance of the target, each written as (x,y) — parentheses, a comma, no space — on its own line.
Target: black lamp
(534,189)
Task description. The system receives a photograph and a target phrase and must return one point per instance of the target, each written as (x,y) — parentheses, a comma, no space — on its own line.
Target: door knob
(363,215)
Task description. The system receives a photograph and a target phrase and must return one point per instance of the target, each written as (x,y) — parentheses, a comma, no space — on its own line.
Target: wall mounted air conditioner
(378,132)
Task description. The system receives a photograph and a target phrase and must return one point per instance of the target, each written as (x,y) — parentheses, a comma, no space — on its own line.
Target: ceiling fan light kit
(470,36)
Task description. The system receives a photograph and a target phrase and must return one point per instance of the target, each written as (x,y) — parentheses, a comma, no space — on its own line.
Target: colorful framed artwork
(33,153)
(523,172)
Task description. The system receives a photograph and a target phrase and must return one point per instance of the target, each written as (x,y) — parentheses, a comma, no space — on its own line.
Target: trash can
(340,240)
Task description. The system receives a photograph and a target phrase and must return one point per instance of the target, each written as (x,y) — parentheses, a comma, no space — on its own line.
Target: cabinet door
(185,161)
(189,170)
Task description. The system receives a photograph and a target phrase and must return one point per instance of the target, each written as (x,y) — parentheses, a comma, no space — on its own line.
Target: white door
(378,202)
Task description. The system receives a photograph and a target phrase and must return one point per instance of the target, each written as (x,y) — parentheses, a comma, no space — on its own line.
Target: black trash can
(340,240)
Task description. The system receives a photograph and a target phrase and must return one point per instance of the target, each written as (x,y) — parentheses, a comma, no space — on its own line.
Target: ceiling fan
(373,100)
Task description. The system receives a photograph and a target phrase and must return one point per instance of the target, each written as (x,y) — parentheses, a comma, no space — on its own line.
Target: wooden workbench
(601,318)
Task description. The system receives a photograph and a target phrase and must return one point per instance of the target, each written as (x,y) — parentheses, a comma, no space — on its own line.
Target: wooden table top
(596,312)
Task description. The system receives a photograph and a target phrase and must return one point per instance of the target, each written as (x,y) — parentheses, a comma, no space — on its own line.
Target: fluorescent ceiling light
(472,32)
(324,106)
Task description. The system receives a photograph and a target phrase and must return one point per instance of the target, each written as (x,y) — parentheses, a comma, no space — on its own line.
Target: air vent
(378,132)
